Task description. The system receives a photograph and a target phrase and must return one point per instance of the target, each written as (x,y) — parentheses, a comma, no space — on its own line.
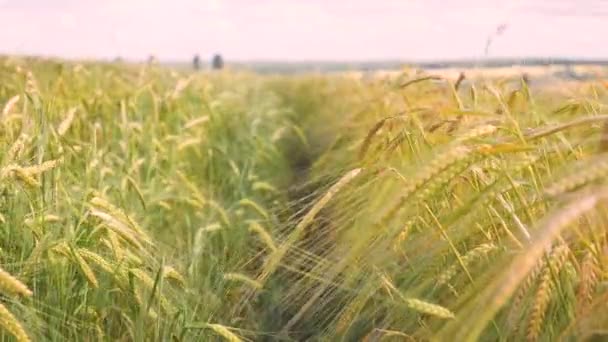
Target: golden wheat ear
(544,292)
(10,284)
(12,325)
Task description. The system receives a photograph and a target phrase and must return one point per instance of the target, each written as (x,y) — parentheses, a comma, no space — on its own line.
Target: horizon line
(265,60)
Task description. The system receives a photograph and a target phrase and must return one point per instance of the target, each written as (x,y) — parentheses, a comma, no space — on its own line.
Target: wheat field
(140,203)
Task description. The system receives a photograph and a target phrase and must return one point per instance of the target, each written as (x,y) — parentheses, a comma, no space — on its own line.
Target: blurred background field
(141,202)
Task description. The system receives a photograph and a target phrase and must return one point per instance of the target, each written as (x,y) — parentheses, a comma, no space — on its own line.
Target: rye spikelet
(441,179)
(119,214)
(455,156)
(199,244)
(61,248)
(263,234)
(429,308)
(420,79)
(417,304)
(12,285)
(547,131)
(114,245)
(193,188)
(97,260)
(477,132)
(86,270)
(49,218)
(372,132)
(17,172)
(137,295)
(515,312)
(437,165)
(65,125)
(597,169)
(148,283)
(172,274)
(588,282)
(180,86)
(31,85)
(349,313)
(544,292)
(132,259)
(143,277)
(263,186)
(118,227)
(12,325)
(404,233)
(120,223)
(188,143)
(128,180)
(17,149)
(224,332)
(246,202)
(471,256)
(243,279)
(223,215)
(9,105)
(195,122)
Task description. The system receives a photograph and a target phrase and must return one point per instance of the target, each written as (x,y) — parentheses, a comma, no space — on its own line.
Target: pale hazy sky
(303,29)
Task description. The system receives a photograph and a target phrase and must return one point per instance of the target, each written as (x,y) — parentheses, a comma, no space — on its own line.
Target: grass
(140,203)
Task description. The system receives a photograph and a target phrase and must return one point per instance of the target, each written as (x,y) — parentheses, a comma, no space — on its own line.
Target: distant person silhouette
(218,62)
(196,62)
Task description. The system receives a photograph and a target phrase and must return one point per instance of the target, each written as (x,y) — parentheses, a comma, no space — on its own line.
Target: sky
(304,30)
